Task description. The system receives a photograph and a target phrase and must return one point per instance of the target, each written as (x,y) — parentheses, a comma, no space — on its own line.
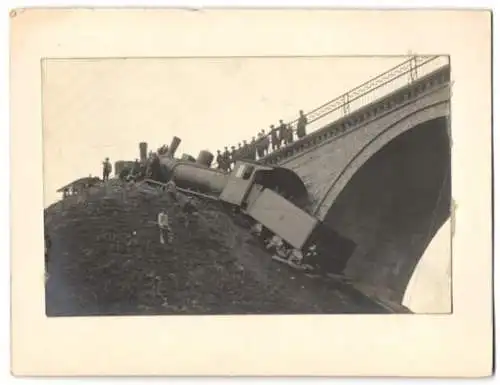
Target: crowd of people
(259,147)
(277,137)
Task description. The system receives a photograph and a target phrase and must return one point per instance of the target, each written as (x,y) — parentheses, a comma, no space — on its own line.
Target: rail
(368,92)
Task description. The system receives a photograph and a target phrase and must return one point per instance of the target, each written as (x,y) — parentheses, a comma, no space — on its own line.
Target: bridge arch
(374,144)
(391,198)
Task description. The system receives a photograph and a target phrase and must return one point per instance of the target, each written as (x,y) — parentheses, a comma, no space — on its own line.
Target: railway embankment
(106,258)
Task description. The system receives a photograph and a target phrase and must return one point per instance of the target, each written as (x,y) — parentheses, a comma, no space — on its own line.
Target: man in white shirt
(164,225)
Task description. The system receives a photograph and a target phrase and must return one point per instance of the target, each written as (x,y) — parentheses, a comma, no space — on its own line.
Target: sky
(97,108)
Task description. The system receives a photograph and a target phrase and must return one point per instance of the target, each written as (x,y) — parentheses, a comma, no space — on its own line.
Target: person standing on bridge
(239,152)
(289,134)
(283,133)
(275,141)
(219,160)
(245,151)
(233,156)
(263,144)
(259,145)
(226,156)
(252,149)
(301,125)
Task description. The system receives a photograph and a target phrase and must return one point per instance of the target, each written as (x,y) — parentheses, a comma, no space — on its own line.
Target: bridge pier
(392,208)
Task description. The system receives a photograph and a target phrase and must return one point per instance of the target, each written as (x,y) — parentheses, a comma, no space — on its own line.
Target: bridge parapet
(362,112)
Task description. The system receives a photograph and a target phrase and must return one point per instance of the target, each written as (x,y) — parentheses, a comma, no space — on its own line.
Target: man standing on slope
(164,225)
(106,169)
(171,189)
(190,212)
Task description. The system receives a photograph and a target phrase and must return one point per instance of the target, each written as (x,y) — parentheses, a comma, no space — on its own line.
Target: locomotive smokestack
(173,146)
(205,158)
(143,151)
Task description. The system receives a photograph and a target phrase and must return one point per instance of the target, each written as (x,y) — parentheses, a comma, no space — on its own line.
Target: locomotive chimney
(205,158)
(173,146)
(143,151)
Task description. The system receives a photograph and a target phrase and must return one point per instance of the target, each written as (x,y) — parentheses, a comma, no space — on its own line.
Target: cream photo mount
(458,344)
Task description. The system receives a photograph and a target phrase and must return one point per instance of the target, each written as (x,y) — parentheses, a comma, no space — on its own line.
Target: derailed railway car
(274,197)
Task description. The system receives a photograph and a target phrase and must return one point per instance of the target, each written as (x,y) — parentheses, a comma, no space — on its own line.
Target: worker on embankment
(106,169)
(256,229)
(190,212)
(136,169)
(165,229)
(274,244)
(155,167)
(295,256)
(171,189)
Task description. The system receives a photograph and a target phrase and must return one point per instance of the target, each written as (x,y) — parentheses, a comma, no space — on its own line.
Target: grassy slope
(98,266)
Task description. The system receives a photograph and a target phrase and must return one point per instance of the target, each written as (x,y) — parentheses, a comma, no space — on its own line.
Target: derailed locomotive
(274,197)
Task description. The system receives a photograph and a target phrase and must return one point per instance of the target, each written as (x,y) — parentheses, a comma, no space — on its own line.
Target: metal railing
(368,92)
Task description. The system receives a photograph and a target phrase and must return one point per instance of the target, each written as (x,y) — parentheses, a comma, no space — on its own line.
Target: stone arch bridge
(381,175)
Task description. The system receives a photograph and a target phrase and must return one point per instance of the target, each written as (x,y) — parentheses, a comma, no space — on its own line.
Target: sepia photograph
(251,192)
(331,199)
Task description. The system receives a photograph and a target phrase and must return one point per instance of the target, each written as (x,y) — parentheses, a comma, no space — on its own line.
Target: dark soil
(99,266)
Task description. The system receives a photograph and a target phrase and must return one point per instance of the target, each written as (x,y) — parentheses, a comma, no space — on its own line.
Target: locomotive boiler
(275,197)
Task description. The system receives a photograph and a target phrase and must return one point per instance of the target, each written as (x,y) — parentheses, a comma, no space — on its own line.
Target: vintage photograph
(250,192)
(184,185)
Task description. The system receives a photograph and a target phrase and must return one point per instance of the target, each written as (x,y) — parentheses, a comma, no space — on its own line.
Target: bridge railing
(375,88)
(368,92)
